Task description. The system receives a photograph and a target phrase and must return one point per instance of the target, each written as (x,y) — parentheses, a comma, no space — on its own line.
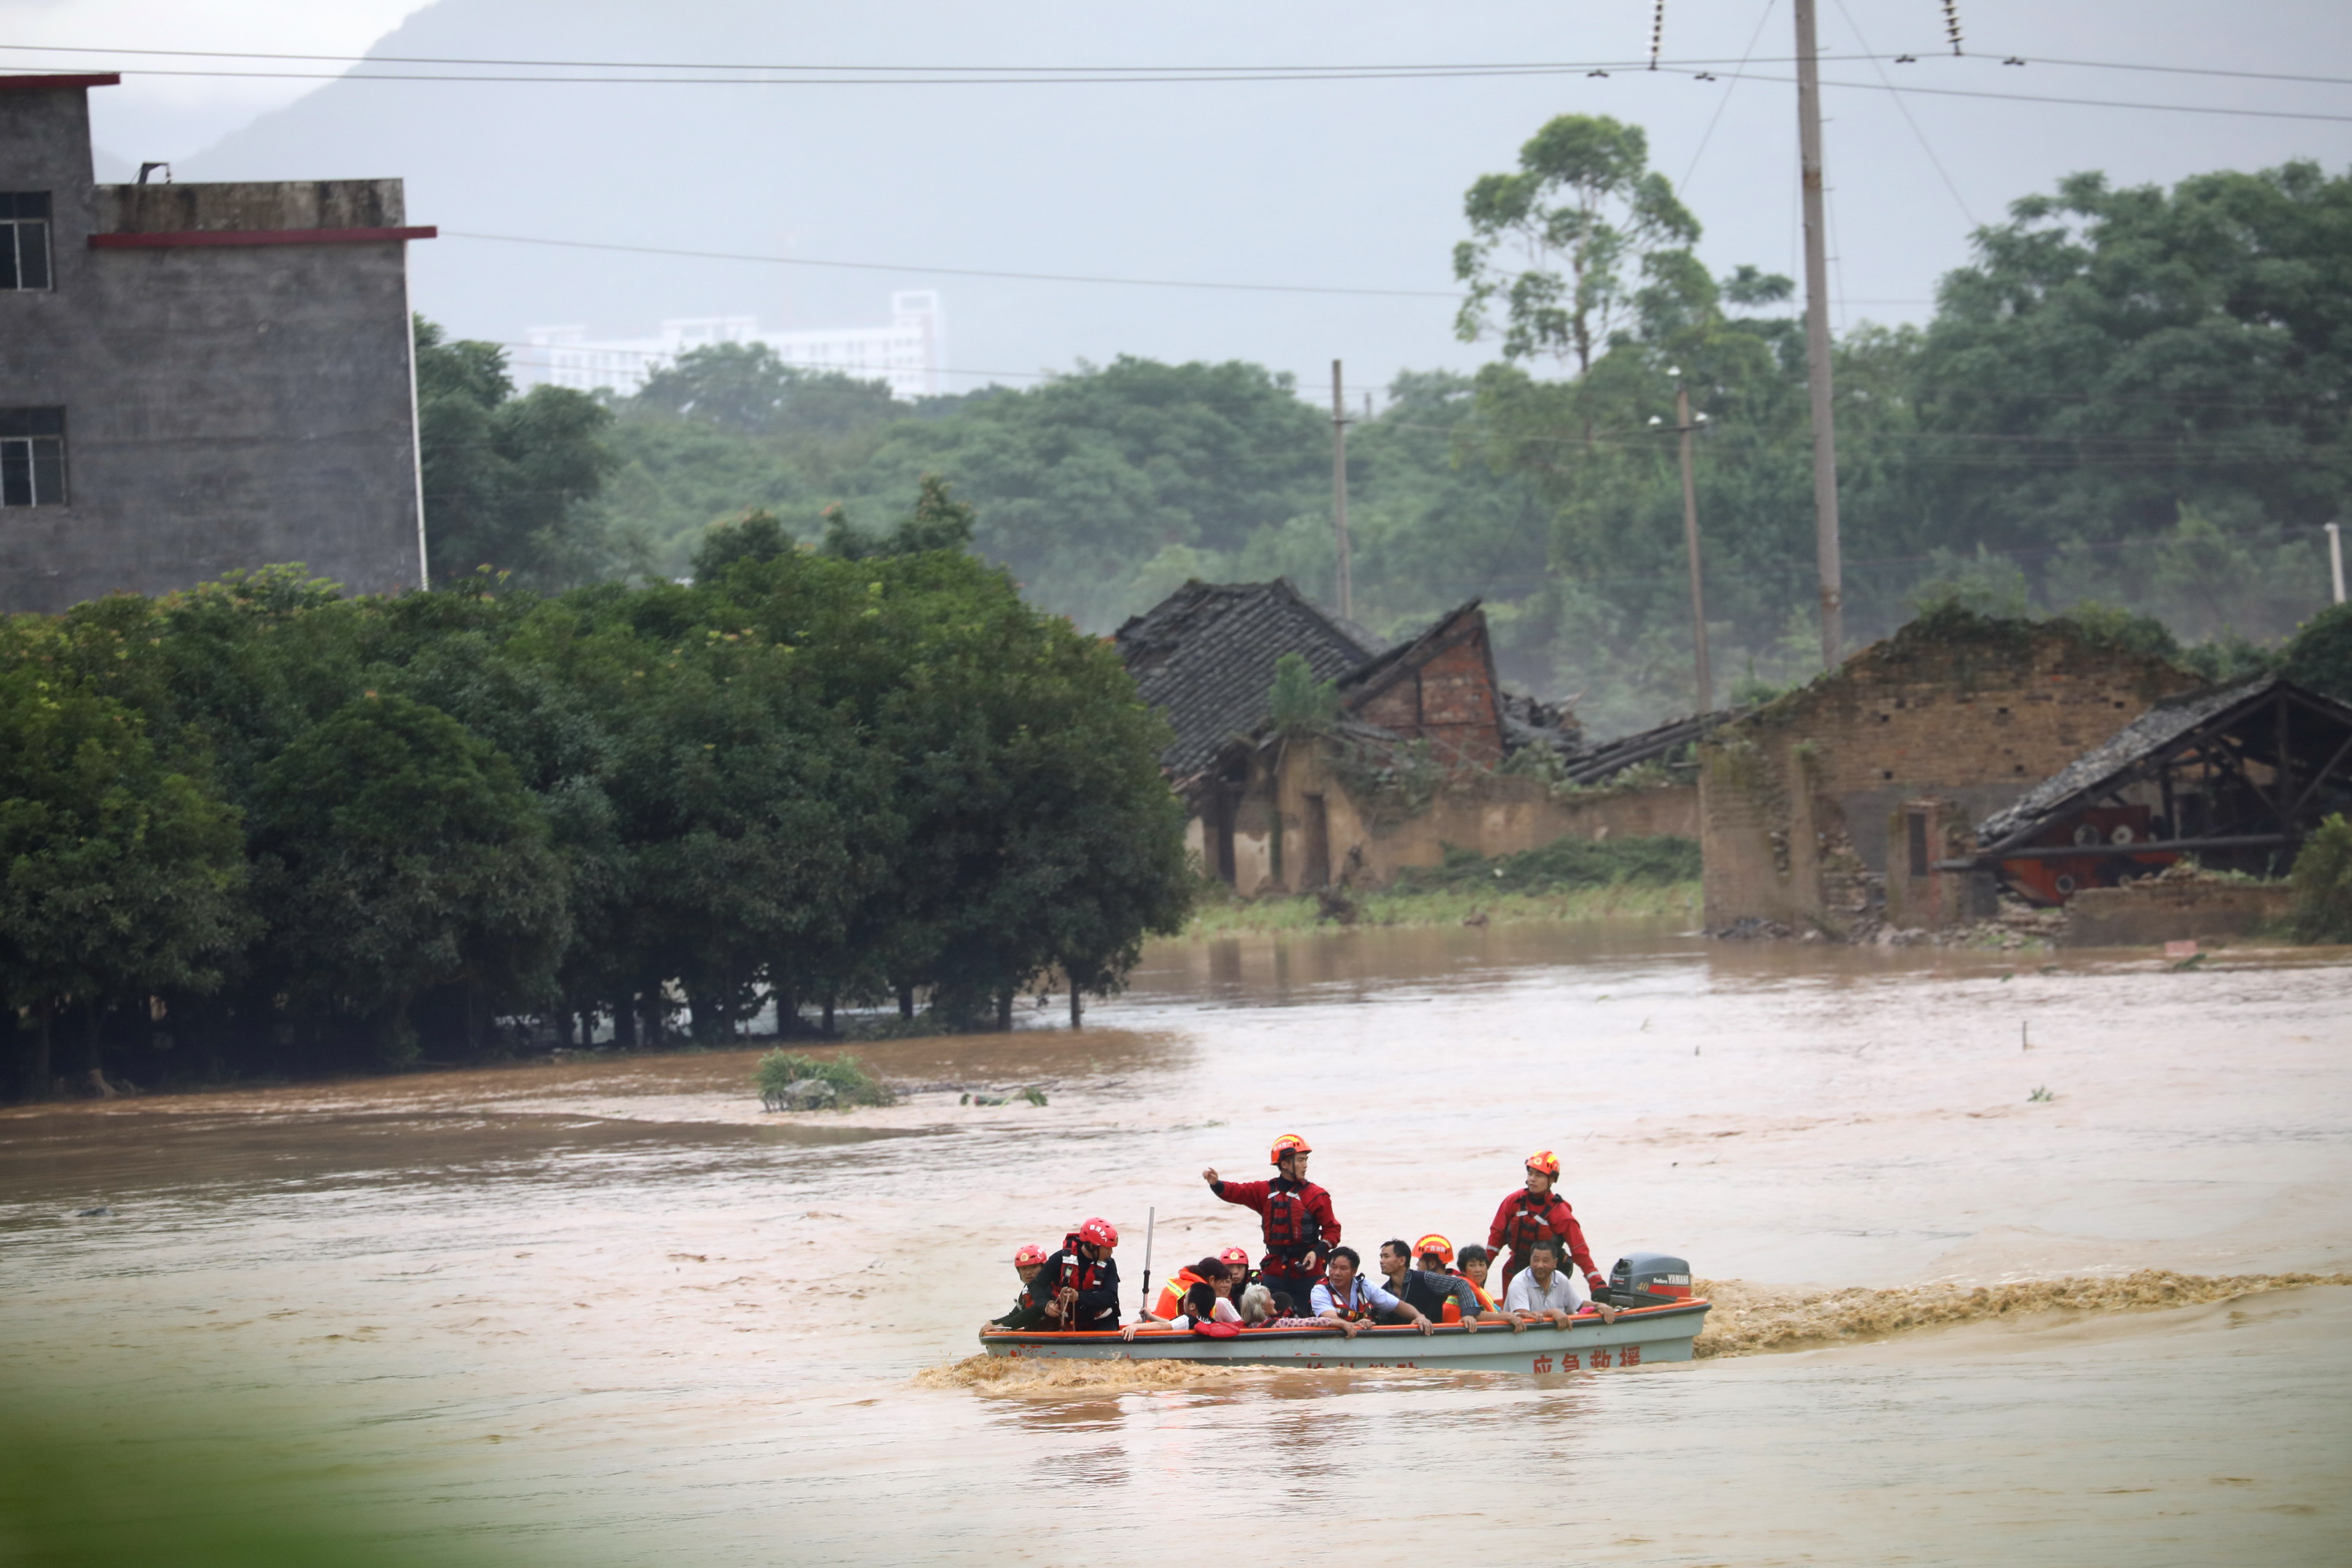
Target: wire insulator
(1658,32)
(1952,24)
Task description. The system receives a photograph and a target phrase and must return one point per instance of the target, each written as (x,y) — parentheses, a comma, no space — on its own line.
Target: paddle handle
(1143,1310)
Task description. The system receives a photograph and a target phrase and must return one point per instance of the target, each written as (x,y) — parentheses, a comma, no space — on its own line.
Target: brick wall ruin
(1797,800)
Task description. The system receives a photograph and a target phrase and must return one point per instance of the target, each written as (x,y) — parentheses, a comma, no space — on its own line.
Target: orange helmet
(1236,1256)
(1435,1243)
(1546,1162)
(1288,1143)
(1029,1254)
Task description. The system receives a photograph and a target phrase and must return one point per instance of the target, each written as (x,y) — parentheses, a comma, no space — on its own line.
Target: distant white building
(908,353)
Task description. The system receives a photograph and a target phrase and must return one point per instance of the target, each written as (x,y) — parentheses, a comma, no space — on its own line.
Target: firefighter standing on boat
(1300,1228)
(1536,1213)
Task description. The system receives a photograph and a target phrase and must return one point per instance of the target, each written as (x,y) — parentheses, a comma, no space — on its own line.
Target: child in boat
(1202,1303)
(1028,1312)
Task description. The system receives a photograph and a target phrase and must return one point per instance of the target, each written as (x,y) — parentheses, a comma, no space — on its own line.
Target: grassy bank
(1571,879)
(1627,900)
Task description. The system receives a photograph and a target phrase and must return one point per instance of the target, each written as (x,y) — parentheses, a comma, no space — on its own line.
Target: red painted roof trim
(199,236)
(52,83)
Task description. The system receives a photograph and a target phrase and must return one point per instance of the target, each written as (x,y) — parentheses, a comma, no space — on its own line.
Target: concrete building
(909,354)
(196,379)
(1816,806)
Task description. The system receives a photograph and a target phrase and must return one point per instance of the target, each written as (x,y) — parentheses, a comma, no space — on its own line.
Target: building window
(32,457)
(1917,832)
(23,239)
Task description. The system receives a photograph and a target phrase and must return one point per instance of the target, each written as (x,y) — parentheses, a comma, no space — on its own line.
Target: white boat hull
(1638,1338)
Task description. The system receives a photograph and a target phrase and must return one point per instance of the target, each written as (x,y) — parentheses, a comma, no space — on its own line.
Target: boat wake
(1009,1374)
(1752,1319)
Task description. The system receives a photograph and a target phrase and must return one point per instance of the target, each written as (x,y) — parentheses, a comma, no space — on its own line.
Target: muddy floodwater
(609,1312)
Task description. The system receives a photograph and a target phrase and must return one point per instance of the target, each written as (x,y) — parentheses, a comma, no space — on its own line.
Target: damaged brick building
(1906,746)
(1408,771)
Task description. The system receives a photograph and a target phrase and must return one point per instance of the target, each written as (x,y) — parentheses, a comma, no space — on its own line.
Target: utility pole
(2336,557)
(1817,341)
(1684,429)
(1339,493)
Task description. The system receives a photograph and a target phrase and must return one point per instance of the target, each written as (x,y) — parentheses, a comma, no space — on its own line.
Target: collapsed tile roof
(1204,657)
(2101,769)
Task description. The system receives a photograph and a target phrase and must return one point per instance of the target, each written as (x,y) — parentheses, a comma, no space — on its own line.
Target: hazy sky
(1354,184)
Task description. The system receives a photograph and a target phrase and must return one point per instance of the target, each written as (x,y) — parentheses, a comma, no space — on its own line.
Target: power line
(2076,102)
(1210,72)
(1925,146)
(964,271)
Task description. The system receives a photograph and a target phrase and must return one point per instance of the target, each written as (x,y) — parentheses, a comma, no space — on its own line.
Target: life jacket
(1357,1308)
(1289,1225)
(1079,1274)
(1171,1295)
(1530,1223)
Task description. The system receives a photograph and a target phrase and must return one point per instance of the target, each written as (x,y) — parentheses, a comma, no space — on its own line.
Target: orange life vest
(1171,1295)
(1359,1305)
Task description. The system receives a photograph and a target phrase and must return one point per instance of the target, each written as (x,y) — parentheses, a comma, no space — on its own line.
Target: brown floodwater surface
(609,1312)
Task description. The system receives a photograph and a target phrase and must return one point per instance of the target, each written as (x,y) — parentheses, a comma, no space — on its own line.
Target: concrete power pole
(2336,557)
(1686,429)
(1339,493)
(1817,342)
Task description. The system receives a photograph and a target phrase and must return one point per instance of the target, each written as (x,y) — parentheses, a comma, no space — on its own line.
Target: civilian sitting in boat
(1202,1303)
(1257,1306)
(1349,1299)
(1208,1271)
(1436,1296)
(1473,1264)
(1080,1282)
(1028,1311)
(1543,1292)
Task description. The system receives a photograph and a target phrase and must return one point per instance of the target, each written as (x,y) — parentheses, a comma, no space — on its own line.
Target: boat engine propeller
(1649,1279)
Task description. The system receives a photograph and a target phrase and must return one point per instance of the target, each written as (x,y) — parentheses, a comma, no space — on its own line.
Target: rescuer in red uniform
(1537,1212)
(1300,1228)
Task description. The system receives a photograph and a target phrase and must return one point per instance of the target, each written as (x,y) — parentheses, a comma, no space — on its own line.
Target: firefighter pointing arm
(1300,1228)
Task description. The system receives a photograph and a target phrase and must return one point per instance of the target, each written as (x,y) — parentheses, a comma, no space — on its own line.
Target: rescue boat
(1641,1336)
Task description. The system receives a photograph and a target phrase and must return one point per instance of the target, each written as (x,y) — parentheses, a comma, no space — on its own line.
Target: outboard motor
(1649,1279)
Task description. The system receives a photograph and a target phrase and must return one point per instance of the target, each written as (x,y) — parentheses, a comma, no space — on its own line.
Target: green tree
(2319,655)
(396,854)
(1556,244)
(119,873)
(749,389)
(506,478)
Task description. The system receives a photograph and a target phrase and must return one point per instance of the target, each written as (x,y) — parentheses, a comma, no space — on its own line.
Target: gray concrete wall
(227,406)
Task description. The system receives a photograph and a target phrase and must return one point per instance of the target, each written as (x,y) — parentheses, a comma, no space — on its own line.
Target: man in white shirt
(1347,1298)
(1544,1292)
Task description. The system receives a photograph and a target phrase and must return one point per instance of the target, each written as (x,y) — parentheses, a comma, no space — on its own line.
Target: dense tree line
(258,827)
(2133,397)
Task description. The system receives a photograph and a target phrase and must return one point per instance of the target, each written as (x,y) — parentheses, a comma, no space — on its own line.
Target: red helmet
(1098,1233)
(1028,1255)
(1435,1243)
(1544,1162)
(1237,1255)
(1288,1143)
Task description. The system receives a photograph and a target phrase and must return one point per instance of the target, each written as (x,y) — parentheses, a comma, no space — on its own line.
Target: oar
(1150,1216)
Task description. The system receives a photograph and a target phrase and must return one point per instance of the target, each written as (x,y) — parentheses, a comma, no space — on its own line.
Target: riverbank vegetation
(260,827)
(1573,879)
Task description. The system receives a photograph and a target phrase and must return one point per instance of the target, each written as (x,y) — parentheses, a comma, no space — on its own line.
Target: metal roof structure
(2301,740)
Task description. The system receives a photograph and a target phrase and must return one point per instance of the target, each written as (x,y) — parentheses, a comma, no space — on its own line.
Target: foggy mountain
(1354,183)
